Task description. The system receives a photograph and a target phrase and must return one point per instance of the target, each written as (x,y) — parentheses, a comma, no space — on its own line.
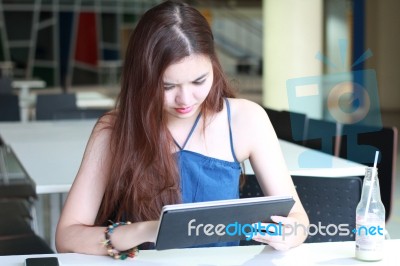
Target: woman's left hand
(290,233)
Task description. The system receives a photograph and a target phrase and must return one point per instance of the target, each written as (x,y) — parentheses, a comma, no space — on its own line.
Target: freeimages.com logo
(272,229)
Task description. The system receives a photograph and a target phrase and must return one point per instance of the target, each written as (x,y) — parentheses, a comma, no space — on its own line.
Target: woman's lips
(184,110)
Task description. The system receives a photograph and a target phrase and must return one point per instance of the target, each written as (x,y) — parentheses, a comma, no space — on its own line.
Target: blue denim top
(205,178)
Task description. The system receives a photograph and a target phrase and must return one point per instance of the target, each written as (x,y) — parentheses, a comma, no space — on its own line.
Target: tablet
(200,223)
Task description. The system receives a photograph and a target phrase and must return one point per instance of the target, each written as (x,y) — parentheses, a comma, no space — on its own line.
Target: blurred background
(80,44)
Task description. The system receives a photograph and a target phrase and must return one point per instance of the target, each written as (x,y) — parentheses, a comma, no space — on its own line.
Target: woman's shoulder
(105,124)
(249,122)
(243,109)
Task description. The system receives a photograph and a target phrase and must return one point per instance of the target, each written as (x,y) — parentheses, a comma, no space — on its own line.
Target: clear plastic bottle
(370,223)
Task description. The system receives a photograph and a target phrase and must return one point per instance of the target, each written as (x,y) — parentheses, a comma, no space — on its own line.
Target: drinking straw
(372,183)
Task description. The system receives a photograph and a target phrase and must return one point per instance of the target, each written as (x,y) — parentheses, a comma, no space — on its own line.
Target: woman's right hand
(128,236)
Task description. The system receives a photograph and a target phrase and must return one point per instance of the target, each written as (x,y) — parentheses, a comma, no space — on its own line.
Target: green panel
(129,18)
(46,74)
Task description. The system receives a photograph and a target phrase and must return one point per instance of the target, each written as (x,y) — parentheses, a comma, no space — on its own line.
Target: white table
(25,86)
(329,253)
(93,99)
(51,152)
(302,161)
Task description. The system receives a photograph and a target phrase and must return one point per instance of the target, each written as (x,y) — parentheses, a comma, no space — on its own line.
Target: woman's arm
(272,174)
(76,231)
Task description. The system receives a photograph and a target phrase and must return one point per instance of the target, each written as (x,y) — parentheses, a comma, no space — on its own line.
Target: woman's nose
(183,96)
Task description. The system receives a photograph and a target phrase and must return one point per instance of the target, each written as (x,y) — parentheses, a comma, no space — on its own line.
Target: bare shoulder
(250,125)
(105,124)
(101,133)
(246,111)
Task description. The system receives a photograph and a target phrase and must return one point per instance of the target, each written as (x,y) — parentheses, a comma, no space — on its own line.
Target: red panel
(86,39)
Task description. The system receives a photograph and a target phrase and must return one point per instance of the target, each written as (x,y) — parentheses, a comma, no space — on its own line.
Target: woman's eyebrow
(201,77)
(169,84)
(197,79)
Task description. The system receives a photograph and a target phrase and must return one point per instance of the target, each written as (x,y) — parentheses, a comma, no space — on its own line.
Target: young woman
(178,135)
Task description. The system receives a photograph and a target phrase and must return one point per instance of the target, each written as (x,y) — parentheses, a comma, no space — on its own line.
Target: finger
(261,240)
(263,227)
(271,228)
(267,238)
(281,219)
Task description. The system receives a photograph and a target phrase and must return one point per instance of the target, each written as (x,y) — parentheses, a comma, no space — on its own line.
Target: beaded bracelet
(122,255)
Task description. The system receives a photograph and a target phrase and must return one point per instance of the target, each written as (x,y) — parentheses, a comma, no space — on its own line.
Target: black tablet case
(173,228)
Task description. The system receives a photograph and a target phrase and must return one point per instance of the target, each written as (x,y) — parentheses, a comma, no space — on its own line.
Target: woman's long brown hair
(144,175)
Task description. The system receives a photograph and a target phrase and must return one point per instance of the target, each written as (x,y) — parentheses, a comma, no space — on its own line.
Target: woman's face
(187,84)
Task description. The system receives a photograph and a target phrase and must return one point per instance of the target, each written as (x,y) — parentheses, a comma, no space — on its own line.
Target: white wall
(293,34)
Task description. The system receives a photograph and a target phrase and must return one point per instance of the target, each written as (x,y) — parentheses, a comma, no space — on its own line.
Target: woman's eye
(199,82)
(168,87)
